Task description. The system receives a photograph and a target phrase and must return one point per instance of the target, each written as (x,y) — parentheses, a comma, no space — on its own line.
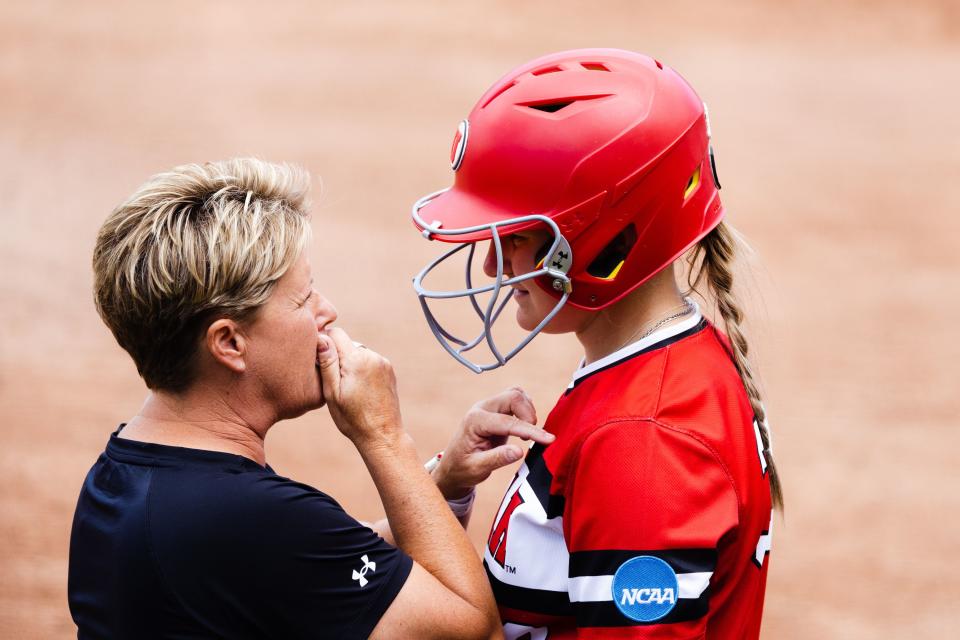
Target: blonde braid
(718,251)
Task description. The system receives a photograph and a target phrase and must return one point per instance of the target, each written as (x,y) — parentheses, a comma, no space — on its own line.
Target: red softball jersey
(650,515)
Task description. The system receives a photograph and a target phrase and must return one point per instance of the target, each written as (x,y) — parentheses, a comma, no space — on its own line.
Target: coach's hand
(480,445)
(360,390)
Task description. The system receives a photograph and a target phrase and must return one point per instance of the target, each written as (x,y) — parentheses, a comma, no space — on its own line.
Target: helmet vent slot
(594,66)
(551,107)
(558,103)
(608,262)
(692,184)
(546,70)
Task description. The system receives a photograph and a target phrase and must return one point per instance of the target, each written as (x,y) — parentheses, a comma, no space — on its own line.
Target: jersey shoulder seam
(706,445)
(692,434)
(575,459)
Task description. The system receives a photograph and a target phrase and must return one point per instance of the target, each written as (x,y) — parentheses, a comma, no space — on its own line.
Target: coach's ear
(226,344)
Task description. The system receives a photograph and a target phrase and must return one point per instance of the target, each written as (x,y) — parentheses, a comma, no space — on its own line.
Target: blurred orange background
(836,131)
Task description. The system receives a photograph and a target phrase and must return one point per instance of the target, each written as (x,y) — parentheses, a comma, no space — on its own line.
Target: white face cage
(556,264)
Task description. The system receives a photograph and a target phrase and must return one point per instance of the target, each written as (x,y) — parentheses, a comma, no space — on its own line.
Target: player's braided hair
(718,250)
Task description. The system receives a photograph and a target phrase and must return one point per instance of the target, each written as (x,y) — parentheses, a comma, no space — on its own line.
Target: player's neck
(626,321)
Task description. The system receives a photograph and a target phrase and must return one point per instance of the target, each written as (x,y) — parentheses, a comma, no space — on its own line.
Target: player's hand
(360,389)
(480,445)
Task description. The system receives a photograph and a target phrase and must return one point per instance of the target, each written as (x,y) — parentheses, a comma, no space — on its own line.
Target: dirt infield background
(837,142)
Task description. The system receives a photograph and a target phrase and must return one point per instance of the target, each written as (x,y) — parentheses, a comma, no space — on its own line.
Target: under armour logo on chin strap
(360,576)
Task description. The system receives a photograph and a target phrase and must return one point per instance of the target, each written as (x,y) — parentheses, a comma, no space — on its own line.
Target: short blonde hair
(193,244)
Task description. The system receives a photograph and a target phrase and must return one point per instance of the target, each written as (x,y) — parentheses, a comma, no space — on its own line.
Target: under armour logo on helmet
(360,576)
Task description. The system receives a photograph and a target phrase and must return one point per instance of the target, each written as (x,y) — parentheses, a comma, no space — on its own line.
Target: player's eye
(522,239)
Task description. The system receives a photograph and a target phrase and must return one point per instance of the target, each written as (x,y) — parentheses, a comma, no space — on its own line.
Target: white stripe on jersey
(763,458)
(600,588)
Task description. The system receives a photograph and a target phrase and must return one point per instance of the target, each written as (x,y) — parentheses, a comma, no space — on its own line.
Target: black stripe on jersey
(539,478)
(551,603)
(606,562)
(666,342)
(606,614)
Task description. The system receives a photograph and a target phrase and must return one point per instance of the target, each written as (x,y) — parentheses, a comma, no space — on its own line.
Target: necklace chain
(674,314)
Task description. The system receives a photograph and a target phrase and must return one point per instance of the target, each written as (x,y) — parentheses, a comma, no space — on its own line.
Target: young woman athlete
(590,175)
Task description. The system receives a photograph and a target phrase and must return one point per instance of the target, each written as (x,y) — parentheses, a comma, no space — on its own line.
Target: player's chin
(528,317)
(525,319)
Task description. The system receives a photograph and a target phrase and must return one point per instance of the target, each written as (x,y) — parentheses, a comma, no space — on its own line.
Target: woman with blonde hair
(182,529)
(590,174)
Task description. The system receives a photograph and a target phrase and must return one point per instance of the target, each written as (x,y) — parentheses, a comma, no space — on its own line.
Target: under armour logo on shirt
(361,576)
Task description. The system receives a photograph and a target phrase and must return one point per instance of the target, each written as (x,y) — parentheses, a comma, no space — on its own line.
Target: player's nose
(490,261)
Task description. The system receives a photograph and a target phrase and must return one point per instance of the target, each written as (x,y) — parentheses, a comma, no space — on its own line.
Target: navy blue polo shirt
(171,542)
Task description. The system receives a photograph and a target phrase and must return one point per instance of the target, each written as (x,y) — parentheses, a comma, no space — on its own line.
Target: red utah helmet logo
(459,146)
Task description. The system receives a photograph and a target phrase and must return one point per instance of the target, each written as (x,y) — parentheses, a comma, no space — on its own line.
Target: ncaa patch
(645,588)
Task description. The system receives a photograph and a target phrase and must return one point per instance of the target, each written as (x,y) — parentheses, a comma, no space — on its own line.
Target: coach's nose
(324,312)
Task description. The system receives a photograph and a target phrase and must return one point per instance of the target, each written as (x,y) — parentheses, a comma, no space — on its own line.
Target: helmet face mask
(554,266)
(609,149)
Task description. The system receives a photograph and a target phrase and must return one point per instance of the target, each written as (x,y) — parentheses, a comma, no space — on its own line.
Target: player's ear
(226,344)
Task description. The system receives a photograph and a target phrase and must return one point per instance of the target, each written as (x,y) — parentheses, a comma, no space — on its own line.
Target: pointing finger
(513,401)
(486,423)
(522,406)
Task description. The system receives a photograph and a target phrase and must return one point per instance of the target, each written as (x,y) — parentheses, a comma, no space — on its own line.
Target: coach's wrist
(386,449)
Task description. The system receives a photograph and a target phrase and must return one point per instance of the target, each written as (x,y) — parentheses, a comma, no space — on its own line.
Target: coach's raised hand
(360,389)
(446,594)
(480,446)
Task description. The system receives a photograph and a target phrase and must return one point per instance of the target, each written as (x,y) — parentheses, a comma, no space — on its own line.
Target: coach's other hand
(360,390)
(480,445)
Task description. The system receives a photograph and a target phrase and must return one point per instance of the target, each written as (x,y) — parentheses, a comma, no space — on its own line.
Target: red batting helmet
(609,148)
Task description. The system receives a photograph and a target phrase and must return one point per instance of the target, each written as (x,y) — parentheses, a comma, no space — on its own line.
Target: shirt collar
(647,343)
